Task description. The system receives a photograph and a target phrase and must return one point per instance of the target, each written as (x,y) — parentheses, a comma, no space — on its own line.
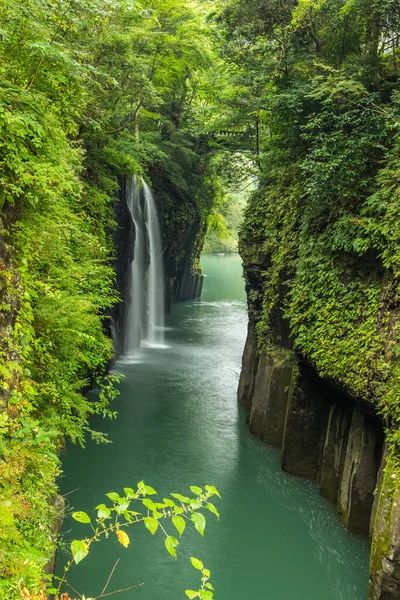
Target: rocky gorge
(324,432)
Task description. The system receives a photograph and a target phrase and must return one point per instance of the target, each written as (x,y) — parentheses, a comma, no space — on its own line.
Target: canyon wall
(333,439)
(321,388)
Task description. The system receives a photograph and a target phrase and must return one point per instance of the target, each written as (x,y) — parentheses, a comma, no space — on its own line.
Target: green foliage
(90,92)
(206,591)
(320,94)
(127,510)
(224,221)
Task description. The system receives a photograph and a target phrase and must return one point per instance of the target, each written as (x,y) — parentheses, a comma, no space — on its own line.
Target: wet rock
(334,451)
(189,286)
(249,368)
(363,455)
(276,399)
(305,427)
(261,388)
(384,582)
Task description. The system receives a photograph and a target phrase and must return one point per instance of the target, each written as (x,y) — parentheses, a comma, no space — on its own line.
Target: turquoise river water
(179,425)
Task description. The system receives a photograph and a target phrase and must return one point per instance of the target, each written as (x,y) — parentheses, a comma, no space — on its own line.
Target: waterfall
(145,315)
(155,286)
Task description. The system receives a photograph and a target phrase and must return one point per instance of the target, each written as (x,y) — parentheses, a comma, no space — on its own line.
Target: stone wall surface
(329,437)
(249,367)
(360,470)
(190,285)
(276,400)
(384,581)
(306,422)
(334,451)
(261,387)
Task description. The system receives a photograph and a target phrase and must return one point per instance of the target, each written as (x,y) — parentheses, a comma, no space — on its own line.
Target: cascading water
(145,315)
(155,287)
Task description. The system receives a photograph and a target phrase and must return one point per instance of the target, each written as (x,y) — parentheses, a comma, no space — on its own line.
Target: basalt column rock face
(334,451)
(190,285)
(249,369)
(270,394)
(305,428)
(384,582)
(361,464)
(183,228)
(262,386)
(323,434)
(273,427)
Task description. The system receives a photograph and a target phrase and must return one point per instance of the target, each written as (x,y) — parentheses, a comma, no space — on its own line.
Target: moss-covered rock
(360,469)
(384,583)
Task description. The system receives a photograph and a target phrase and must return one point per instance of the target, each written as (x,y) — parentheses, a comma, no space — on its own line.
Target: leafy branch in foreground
(206,591)
(127,510)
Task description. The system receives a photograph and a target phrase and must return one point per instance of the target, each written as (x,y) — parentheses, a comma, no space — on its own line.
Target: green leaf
(181,498)
(197,563)
(212,490)
(113,496)
(209,586)
(179,523)
(103,512)
(79,550)
(168,502)
(151,524)
(212,509)
(129,493)
(149,504)
(206,595)
(123,504)
(199,522)
(81,516)
(192,594)
(170,544)
(149,490)
(196,490)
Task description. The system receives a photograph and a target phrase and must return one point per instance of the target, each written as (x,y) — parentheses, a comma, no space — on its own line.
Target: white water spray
(155,285)
(145,315)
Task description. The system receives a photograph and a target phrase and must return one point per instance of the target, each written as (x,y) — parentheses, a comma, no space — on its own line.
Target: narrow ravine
(178,425)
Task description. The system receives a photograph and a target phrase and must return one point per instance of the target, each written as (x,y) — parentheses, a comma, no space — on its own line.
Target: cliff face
(183,229)
(317,368)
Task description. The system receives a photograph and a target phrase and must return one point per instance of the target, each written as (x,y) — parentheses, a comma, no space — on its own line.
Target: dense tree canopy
(90,92)
(297,98)
(324,77)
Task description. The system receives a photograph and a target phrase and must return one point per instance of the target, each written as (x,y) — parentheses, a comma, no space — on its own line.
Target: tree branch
(109,577)
(35,74)
(131,587)
(129,119)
